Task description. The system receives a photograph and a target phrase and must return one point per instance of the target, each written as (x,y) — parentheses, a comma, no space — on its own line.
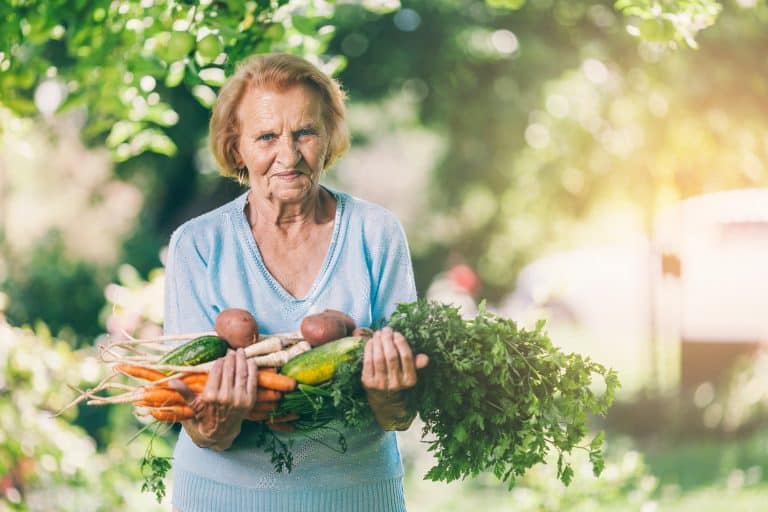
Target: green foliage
(670,21)
(508,395)
(154,469)
(493,398)
(553,118)
(46,463)
(161,46)
(49,272)
(506,4)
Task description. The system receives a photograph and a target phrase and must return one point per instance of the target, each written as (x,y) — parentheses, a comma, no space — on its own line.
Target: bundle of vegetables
(155,362)
(151,365)
(494,397)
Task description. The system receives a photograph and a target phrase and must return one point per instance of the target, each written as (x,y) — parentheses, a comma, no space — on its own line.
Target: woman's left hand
(389,368)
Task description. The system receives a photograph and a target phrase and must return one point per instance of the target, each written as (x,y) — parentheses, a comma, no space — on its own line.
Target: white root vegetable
(265,346)
(282,357)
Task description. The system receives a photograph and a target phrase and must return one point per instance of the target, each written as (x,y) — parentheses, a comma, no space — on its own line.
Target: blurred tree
(551,111)
(139,77)
(46,463)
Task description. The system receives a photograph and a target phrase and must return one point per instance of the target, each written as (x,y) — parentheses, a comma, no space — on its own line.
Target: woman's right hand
(228,397)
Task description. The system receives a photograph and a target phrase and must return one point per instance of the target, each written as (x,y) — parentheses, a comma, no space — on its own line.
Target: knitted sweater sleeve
(187,309)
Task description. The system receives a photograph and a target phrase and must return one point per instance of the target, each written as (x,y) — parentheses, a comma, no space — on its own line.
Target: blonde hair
(278,71)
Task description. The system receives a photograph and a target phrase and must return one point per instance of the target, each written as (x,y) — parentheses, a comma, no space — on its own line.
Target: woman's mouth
(288,175)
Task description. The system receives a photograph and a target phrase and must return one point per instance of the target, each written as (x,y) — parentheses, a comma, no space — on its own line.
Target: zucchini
(197,351)
(319,364)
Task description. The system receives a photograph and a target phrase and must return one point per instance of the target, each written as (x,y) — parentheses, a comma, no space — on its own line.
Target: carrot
(197,387)
(139,372)
(276,381)
(257,416)
(159,397)
(194,376)
(173,414)
(285,418)
(268,395)
(264,406)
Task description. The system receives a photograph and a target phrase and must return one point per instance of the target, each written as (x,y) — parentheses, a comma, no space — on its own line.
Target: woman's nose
(288,153)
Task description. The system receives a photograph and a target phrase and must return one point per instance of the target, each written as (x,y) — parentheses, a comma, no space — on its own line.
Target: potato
(363,332)
(348,321)
(237,327)
(322,328)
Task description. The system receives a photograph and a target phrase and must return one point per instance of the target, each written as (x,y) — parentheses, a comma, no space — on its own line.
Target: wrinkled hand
(228,397)
(389,368)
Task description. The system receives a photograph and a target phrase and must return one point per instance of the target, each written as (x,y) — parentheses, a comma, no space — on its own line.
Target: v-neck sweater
(214,263)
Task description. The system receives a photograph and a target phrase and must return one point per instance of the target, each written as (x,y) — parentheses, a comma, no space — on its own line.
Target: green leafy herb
(496,397)
(154,469)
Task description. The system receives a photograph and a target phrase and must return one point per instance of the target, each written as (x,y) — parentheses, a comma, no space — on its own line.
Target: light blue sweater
(213,264)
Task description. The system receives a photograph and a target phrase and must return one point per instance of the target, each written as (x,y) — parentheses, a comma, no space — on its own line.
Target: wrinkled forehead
(298,104)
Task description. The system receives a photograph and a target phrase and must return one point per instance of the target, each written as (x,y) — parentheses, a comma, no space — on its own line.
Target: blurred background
(599,164)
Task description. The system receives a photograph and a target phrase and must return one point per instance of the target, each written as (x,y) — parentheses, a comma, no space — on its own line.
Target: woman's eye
(266,137)
(305,132)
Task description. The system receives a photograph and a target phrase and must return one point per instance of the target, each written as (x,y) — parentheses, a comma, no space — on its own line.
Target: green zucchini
(319,364)
(197,351)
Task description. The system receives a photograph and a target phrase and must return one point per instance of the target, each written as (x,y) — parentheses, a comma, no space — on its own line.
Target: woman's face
(283,141)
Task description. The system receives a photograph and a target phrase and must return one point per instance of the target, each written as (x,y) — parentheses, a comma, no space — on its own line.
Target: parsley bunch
(496,397)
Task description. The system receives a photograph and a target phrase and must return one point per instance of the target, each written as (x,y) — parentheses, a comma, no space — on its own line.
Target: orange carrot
(139,372)
(197,387)
(284,418)
(268,395)
(276,381)
(189,378)
(257,416)
(159,397)
(264,406)
(173,414)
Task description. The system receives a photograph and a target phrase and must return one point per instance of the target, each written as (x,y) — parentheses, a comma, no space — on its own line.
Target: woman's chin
(292,192)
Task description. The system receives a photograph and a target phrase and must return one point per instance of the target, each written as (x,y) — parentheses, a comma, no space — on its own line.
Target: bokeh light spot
(407,20)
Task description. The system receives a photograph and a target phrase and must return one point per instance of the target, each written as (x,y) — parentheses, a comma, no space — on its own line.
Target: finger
(183,389)
(379,364)
(211,389)
(367,374)
(252,383)
(240,393)
(227,378)
(391,355)
(408,375)
(421,361)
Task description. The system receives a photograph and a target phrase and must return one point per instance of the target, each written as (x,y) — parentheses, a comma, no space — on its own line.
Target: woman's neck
(266,212)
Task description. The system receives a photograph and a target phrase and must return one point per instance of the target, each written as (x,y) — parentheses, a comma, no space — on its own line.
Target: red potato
(349,323)
(237,327)
(322,328)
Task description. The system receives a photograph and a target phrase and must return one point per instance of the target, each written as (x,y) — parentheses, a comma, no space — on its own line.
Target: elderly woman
(286,248)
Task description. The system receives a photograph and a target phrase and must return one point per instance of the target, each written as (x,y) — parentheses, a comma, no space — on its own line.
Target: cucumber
(319,364)
(197,351)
